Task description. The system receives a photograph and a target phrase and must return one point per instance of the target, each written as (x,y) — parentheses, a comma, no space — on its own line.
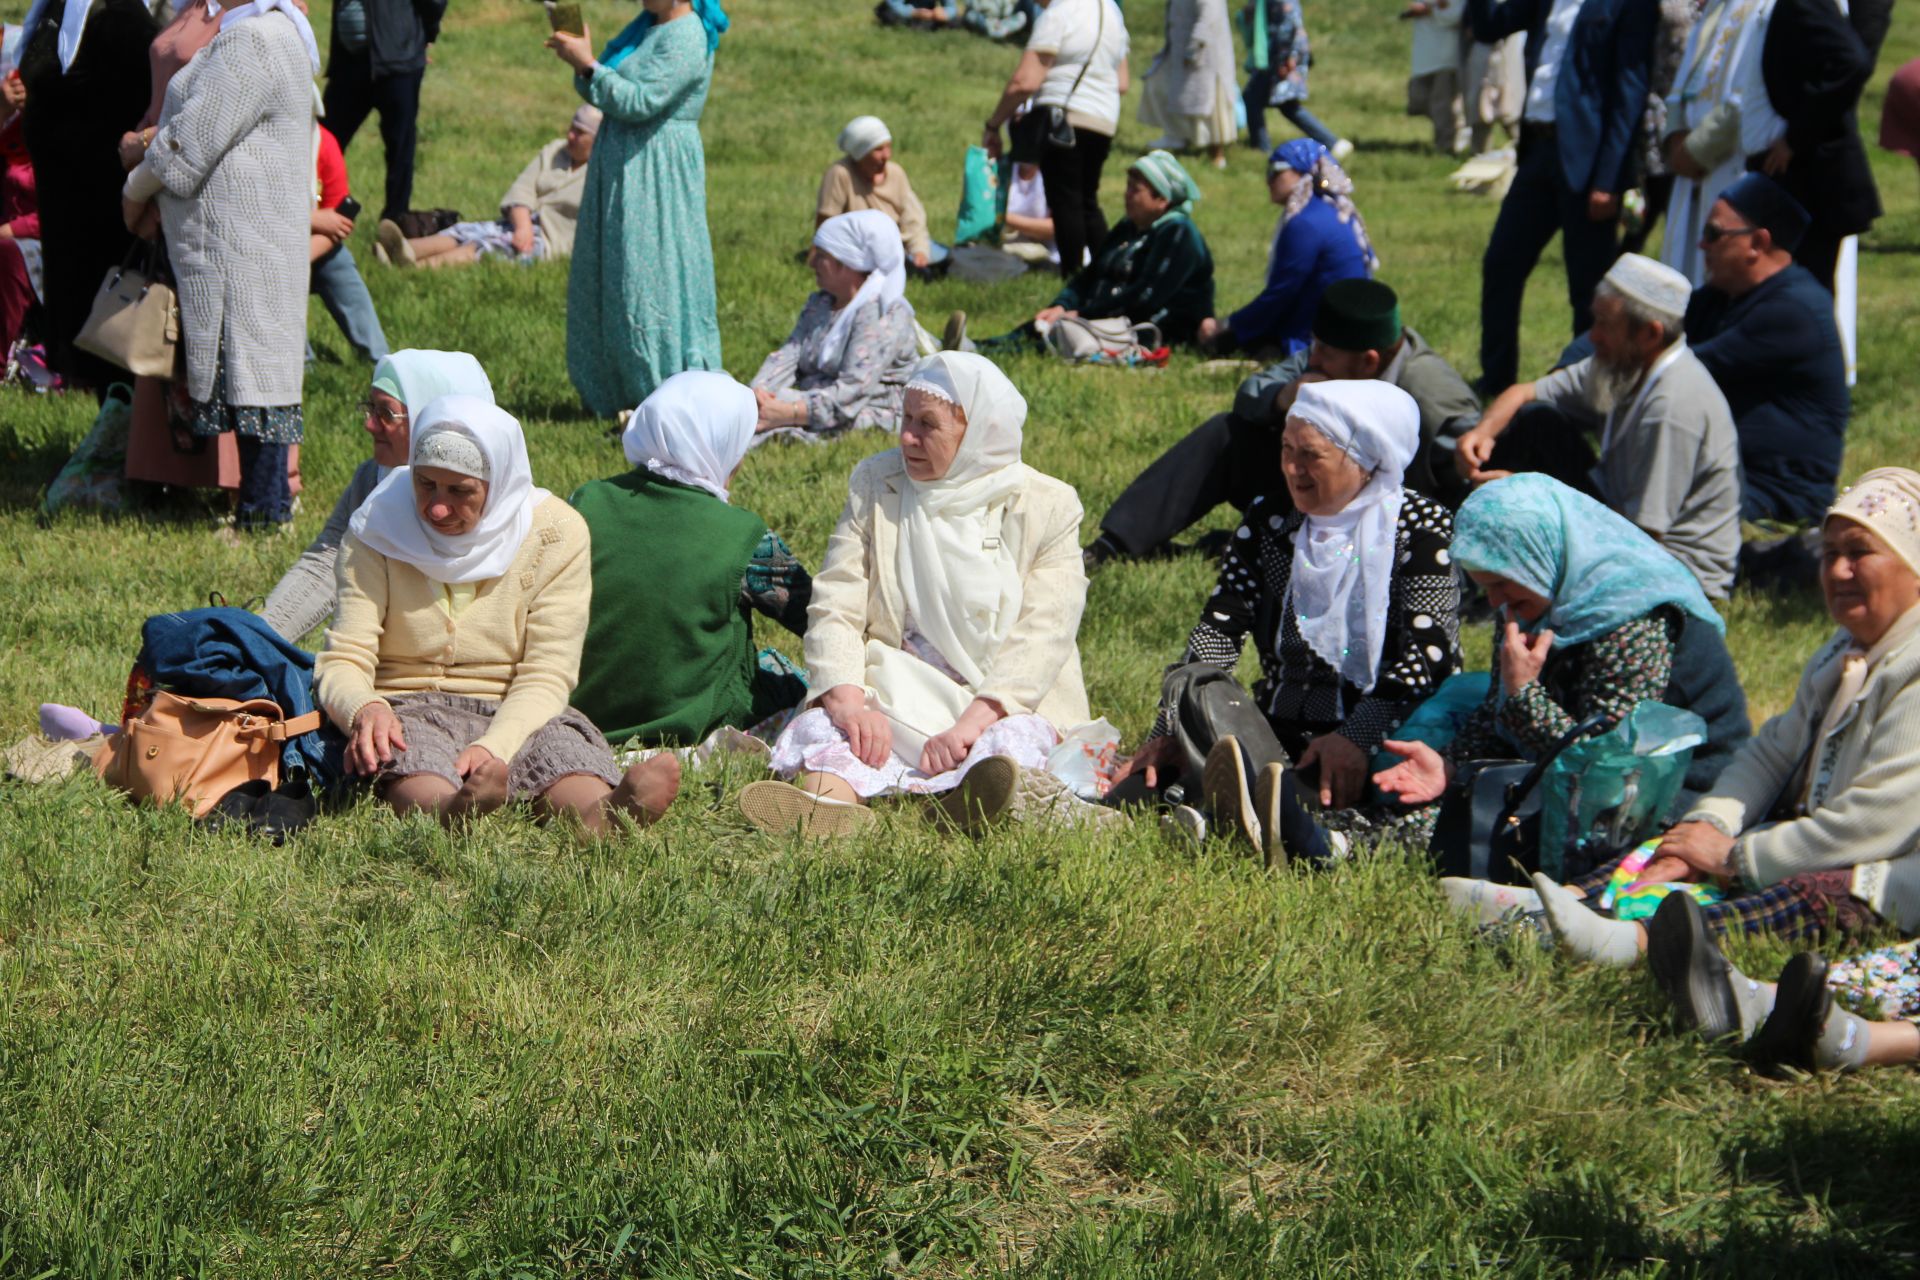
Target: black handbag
(1488,827)
(1209,705)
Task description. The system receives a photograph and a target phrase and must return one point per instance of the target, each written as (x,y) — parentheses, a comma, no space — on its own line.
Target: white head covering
(389,521)
(587,118)
(73,24)
(417,377)
(1343,563)
(866,240)
(862,135)
(957,574)
(1651,284)
(694,428)
(260,8)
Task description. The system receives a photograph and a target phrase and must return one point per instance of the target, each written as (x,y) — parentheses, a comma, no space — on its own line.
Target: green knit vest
(669,654)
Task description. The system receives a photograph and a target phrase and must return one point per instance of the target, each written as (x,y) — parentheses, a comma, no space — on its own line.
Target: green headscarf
(1164,174)
(417,377)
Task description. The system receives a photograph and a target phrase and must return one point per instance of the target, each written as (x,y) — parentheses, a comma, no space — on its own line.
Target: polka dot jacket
(1302,695)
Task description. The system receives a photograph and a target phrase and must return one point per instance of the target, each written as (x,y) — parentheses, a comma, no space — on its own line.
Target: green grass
(701,1052)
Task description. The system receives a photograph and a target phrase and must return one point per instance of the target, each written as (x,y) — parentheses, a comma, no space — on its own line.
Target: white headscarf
(260,8)
(389,522)
(1343,563)
(866,240)
(957,573)
(73,25)
(694,428)
(862,135)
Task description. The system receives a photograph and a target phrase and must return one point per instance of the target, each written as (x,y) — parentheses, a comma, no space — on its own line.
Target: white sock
(1486,902)
(1586,934)
(1843,1042)
(1752,1000)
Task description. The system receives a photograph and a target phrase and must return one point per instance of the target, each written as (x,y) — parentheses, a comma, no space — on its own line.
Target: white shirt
(1027,198)
(1552,53)
(1066,29)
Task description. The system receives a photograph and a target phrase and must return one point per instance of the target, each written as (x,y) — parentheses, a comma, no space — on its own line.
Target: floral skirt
(810,744)
(1883,984)
(275,424)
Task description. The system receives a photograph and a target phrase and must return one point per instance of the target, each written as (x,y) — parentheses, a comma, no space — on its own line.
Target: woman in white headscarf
(941,638)
(404,384)
(669,653)
(845,364)
(457,639)
(1346,584)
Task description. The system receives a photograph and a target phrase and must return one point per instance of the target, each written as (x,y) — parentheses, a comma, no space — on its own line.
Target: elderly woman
(1812,825)
(1592,619)
(845,364)
(1155,267)
(1190,91)
(940,641)
(1321,238)
(232,164)
(457,639)
(669,653)
(1352,604)
(404,384)
(866,178)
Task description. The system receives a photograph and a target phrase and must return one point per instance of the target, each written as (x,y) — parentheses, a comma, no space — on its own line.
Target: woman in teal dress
(640,300)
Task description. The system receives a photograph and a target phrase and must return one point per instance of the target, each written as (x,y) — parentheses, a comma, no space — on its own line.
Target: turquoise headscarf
(1598,570)
(621,47)
(1164,174)
(417,377)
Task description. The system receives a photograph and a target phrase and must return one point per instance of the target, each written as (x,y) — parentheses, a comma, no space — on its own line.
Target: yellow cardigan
(517,643)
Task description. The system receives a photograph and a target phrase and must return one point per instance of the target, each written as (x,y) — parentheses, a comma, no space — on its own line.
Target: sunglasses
(1712,233)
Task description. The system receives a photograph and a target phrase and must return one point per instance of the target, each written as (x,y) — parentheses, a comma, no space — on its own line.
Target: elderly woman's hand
(375,737)
(776,412)
(1420,777)
(142,217)
(472,758)
(133,147)
(1047,315)
(949,750)
(1155,756)
(574,50)
(1690,851)
(1522,657)
(869,735)
(1342,767)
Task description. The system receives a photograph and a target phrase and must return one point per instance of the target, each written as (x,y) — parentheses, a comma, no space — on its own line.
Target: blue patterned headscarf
(1598,569)
(1326,179)
(712,17)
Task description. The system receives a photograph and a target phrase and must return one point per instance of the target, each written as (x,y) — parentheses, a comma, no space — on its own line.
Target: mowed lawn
(703,1052)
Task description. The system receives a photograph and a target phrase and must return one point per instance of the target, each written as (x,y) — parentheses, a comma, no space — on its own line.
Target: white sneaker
(1184,824)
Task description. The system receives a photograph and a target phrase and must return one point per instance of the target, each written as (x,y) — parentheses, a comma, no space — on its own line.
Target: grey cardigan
(304,597)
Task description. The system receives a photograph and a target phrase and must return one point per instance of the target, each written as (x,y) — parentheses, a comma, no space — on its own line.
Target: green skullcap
(1358,315)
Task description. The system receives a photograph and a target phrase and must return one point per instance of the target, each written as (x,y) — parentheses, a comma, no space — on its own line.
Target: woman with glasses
(403,384)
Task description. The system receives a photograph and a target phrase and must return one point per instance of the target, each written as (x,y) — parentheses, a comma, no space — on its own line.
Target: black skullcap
(1765,203)
(1358,315)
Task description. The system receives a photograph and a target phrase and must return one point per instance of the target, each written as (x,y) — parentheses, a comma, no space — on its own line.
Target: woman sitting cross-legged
(1345,585)
(1593,619)
(678,573)
(941,639)
(404,384)
(845,364)
(1812,826)
(457,639)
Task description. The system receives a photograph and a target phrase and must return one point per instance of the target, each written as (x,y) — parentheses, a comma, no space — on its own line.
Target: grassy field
(701,1052)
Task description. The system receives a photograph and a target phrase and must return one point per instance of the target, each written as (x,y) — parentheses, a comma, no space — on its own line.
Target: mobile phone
(565,15)
(349,209)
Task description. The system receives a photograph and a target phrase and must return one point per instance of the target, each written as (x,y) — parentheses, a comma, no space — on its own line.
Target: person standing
(375,62)
(1190,89)
(640,296)
(1585,94)
(1433,85)
(1277,57)
(84,66)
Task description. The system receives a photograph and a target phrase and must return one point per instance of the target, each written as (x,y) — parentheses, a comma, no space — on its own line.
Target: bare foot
(485,791)
(647,789)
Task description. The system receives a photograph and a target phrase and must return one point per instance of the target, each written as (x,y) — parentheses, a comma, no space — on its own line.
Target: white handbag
(1118,339)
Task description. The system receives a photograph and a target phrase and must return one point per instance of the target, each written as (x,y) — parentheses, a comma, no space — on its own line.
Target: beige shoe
(780,807)
(380,254)
(1266,806)
(1229,797)
(983,797)
(395,242)
(954,338)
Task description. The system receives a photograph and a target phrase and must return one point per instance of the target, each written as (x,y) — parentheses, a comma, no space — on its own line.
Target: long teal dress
(640,301)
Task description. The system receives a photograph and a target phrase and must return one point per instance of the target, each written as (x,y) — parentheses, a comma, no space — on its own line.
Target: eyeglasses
(1713,233)
(388,417)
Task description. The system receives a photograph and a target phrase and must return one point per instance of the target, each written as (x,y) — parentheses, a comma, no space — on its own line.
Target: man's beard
(1608,383)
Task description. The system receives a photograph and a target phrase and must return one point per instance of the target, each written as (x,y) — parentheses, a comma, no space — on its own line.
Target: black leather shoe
(237,806)
(1690,969)
(1801,1004)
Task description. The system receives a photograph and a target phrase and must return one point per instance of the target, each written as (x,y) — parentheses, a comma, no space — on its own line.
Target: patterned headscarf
(1886,502)
(1163,173)
(1326,179)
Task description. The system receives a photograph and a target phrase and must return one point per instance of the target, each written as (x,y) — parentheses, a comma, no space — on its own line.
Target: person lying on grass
(458,636)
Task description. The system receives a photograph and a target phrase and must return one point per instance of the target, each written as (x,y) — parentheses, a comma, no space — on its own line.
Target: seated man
(1668,459)
(537,215)
(1764,329)
(1229,458)
(865,177)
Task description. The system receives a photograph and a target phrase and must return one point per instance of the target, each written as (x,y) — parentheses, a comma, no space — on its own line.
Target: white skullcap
(1652,284)
(450,448)
(587,118)
(862,135)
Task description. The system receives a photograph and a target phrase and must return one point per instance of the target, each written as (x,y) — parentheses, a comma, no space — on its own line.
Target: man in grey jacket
(1235,456)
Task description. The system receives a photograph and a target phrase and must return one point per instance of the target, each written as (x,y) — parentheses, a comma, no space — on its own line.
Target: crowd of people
(487,641)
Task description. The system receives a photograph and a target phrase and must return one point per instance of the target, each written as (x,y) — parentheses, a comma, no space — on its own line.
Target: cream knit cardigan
(1866,816)
(517,643)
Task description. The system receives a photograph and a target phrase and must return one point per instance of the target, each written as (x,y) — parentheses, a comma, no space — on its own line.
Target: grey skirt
(439,726)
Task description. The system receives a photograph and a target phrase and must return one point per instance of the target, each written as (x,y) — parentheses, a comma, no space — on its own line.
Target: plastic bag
(1630,901)
(1087,758)
(91,477)
(1611,791)
(983,199)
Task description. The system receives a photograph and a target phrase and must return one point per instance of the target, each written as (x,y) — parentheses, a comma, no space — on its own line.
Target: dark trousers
(1538,205)
(265,497)
(1819,252)
(1256,98)
(1541,438)
(353,93)
(1071,176)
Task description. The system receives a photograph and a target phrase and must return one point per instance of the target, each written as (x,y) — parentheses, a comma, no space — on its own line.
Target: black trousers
(1072,180)
(353,92)
(1541,438)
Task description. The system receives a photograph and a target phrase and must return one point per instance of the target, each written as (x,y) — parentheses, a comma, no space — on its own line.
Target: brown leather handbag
(195,750)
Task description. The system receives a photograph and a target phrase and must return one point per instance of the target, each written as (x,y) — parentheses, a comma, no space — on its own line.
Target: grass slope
(701,1052)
